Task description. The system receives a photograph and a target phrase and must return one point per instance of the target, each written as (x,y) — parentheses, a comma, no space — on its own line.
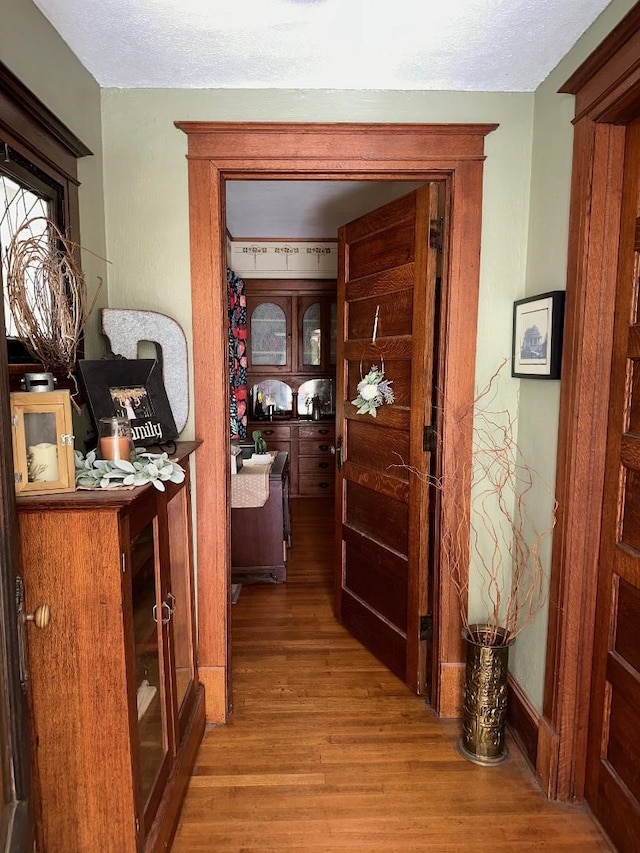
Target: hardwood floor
(327,751)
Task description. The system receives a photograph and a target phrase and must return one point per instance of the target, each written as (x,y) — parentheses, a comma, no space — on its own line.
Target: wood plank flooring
(327,751)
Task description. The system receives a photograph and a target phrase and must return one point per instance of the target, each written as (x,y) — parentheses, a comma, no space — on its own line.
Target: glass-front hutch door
(180,596)
(149,656)
(312,337)
(317,331)
(269,321)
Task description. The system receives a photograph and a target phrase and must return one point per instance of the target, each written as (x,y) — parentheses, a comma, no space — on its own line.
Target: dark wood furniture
(310,448)
(296,345)
(260,535)
(115,567)
(297,339)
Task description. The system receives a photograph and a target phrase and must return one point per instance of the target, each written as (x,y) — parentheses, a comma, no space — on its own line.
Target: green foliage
(154,468)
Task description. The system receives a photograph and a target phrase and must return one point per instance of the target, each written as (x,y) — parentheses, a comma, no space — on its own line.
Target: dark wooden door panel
(394,308)
(378,516)
(613,761)
(623,752)
(383,640)
(378,448)
(377,575)
(387,304)
(373,255)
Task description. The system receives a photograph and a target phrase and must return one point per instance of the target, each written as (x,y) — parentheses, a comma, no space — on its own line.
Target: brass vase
(485,695)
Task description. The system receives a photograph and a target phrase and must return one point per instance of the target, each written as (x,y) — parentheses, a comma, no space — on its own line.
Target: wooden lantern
(42,435)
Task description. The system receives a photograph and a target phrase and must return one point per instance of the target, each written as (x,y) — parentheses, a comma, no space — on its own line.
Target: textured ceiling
(303,209)
(453,45)
(467,45)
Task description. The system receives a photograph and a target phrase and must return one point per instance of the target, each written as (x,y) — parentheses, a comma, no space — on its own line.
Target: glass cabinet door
(269,333)
(182,627)
(150,687)
(312,335)
(316,332)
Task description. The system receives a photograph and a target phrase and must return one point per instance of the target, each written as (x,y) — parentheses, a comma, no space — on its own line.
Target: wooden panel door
(386,267)
(613,777)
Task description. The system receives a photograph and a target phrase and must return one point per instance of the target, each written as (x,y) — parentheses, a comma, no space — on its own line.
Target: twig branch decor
(47,293)
(494,538)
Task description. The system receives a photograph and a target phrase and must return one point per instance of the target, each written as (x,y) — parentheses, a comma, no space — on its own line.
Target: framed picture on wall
(133,389)
(537,336)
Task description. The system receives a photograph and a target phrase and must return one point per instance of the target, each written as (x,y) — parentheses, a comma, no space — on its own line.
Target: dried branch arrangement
(505,544)
(495,540)
(47,293)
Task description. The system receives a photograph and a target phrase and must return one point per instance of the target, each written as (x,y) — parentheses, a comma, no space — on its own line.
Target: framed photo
(133,389)
(537,336)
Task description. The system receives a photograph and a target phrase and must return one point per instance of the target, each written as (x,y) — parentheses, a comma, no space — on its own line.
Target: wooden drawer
(269,430)
(313,484)
(319,447)
(320,431)
(316,466)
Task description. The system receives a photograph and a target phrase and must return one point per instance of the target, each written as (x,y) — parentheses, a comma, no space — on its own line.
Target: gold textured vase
(485,695)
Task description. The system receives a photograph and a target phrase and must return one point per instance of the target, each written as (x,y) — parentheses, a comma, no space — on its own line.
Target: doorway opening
(283,364)
(218,152)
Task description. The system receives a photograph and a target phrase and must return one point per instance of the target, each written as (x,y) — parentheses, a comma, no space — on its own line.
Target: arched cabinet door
(312,347)
(316,333)
(269,327)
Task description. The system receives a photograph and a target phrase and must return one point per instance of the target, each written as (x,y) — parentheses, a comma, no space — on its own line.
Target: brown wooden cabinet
(118,712)
(300,313)
(316,462)
(291,327)
(310,448)
(261,535)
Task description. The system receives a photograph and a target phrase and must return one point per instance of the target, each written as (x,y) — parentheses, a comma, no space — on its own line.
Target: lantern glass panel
(42,447)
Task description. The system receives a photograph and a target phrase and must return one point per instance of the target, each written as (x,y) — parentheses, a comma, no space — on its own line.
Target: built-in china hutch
(291,365)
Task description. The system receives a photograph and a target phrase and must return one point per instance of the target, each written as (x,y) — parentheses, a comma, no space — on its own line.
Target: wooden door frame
(607,90)
(249,151)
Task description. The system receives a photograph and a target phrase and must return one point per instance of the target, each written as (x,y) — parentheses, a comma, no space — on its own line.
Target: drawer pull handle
(324,485)
(323,431)
(267,431)
(323,465)
(324,447)
(40,617)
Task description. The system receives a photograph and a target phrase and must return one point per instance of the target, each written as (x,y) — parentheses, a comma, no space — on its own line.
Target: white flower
(369,392)
(373,391)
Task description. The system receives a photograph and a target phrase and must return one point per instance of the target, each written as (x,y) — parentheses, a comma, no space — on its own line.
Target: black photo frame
(130,388)
(538,323)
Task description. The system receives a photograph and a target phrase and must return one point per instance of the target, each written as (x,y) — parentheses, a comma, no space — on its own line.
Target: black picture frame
(538,323)
(130,388)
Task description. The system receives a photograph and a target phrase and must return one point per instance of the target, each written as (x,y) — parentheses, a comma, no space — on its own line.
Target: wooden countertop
(98,498)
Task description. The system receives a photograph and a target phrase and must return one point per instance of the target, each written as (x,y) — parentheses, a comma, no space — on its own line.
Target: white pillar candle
(44,463)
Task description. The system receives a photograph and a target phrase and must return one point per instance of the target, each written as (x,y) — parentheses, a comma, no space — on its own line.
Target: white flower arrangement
(144,467)
(373,391)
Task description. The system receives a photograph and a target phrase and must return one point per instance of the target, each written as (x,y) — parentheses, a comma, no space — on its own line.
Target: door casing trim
(607,91)
(221,151)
